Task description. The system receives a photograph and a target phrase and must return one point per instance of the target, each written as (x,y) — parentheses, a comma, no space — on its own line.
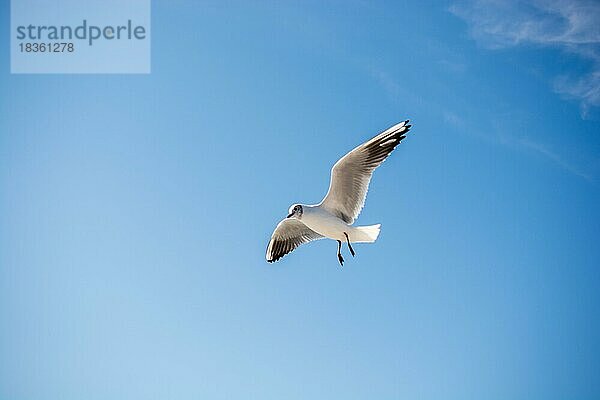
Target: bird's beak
(290,216)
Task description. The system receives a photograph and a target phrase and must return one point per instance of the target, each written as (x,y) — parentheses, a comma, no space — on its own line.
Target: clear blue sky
(135,209)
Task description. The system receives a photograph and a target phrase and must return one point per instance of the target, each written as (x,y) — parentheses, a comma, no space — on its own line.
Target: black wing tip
(275,258)
(407,125)
(401,130)
(404,129)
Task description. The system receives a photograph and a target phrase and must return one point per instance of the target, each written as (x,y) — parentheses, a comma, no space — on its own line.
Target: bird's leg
(349,245)
(340,258)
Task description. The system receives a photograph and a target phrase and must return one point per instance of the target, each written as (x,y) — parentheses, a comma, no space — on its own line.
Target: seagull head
(295,211)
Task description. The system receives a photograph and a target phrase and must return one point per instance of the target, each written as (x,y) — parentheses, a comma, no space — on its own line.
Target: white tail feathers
(365,234)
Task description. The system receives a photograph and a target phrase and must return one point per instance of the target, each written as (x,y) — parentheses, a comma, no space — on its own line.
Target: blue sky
(135,209)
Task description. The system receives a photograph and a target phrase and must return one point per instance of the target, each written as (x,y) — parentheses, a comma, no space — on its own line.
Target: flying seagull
(333,217)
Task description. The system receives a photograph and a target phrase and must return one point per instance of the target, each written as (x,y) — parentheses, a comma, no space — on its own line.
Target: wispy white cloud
(497,133)
(453,119)
(392,86)
(554,157)
(453,66)
(517,139)
(572,26)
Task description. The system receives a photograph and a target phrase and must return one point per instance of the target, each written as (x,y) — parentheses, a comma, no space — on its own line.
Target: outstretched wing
(289,234)
(350,176)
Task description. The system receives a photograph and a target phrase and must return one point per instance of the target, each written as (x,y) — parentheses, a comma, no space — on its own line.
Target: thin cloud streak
(518,143)
(546,152)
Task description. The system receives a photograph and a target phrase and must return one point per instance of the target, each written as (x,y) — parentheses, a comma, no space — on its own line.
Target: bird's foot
(349,245)
(341,259)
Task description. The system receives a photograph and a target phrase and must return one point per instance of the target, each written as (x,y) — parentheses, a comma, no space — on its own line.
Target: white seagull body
(334,216)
